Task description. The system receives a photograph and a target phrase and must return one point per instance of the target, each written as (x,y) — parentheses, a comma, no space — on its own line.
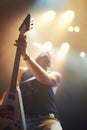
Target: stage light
(48,16)
(63,50)
(70,29)
(82,54)
(77,29)
(67,17)
(65,46)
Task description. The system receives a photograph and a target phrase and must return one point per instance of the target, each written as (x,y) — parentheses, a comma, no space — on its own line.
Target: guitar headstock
(25,26)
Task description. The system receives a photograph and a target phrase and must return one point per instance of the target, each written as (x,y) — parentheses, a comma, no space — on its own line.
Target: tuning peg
(31,27)
(32,24)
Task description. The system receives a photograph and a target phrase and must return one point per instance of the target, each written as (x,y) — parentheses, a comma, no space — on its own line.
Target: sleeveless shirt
(38,99)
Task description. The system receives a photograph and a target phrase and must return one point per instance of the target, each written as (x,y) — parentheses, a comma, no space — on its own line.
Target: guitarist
(37,84)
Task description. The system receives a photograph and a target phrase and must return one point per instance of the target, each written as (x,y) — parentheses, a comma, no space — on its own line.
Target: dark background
(71,96)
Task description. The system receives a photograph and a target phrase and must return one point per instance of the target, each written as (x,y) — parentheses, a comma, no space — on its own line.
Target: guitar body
(13,117)
(11,111)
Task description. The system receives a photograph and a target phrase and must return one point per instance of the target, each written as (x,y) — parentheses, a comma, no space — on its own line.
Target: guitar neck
(15,71)
(23,28)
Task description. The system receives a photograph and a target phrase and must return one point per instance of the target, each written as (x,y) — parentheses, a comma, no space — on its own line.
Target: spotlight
(48,16)
(77,29)
(70,29)
(82,54)
(67,17)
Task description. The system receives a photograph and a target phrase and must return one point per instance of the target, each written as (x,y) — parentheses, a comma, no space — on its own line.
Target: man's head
(44,59)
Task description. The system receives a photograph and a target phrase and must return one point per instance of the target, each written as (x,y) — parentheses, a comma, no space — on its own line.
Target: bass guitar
(11,111)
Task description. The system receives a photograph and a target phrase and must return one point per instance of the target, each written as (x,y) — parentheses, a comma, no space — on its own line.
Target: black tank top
(37,98)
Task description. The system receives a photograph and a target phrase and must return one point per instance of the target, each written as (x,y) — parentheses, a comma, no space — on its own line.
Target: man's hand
(22,44)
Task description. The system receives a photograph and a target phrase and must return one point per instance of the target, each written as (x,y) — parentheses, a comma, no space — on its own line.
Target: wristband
(26,58)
